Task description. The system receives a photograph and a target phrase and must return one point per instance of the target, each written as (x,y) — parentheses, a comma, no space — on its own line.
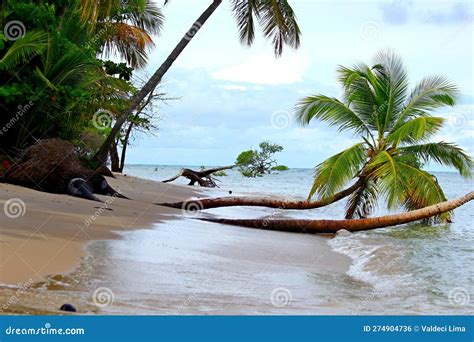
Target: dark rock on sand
(68,307)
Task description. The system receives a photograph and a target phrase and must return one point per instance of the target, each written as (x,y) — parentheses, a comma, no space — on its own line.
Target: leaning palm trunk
(209,203)
(152,83)
(332,226)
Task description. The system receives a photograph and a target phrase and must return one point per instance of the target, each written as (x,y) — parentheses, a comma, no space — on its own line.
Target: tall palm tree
(276,17)
(394,126)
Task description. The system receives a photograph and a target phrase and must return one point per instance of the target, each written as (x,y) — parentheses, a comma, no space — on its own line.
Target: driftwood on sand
(203,177)
(53,166)
(352,225)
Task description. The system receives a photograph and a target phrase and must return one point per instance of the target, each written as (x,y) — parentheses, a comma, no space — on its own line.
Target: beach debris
(53,165)
(203,177)
(68,307)
(343,232)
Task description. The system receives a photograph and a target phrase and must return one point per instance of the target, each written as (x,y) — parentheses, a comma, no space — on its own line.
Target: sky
(232,97)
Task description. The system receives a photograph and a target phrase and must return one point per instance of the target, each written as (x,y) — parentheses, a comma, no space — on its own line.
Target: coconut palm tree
(394,126)
(276,18)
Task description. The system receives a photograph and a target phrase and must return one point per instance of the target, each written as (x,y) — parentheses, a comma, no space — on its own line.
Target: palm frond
(24,49)
(362,202)
(244,13)
(146,16)
(43,78)
(390,178)
(330,110)
(404,184)
(393,83)
(93,10)
(278,21)
(333,173)
(423,190)
(442,153)
(431,93)
(360,93)
(130,42)
(415,130)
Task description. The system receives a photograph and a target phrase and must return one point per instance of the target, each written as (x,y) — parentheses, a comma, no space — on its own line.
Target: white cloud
(265,69)
(233,87)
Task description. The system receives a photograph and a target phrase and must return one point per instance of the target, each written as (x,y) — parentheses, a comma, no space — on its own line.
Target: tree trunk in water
(101,155)
(203,177)
(353,225)
(209,203)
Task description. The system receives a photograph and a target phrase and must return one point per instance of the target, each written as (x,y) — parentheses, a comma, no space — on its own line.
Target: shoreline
(139,247)
(48,232)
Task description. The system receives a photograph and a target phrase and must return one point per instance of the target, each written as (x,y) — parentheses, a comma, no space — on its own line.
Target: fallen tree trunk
(231,201)
(203,177)
(353,225)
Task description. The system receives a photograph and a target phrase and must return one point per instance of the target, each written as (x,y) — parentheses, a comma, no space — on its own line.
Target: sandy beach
(49,235)
(59,241)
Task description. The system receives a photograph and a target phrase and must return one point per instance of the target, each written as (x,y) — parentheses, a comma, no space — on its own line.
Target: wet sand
(179,266)
(50,231)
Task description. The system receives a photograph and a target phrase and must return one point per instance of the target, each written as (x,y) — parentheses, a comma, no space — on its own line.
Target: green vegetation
(394,126)
(280,168)
(256,163)
(53,81)
(276,18)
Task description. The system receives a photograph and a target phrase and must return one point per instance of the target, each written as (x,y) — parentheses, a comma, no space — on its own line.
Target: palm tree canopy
(124,27)
(275,17)
(395,126)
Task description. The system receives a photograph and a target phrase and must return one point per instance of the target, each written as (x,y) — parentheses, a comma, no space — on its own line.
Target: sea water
(412,269)
(186,266)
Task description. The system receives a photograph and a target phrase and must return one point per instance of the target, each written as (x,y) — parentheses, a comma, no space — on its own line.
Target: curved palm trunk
(332,226)
(101,155)
(209,203)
